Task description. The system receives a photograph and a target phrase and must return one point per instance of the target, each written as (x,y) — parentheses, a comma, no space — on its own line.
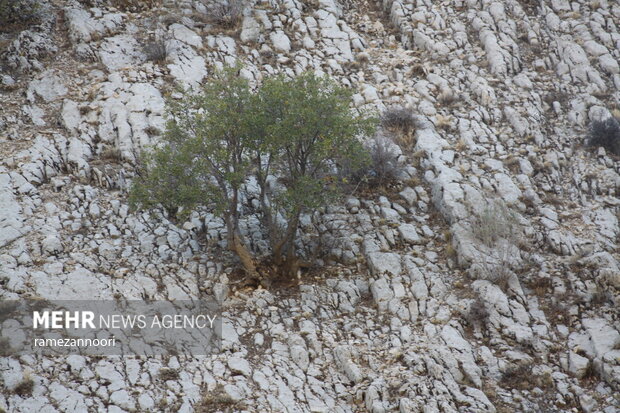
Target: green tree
(291,136)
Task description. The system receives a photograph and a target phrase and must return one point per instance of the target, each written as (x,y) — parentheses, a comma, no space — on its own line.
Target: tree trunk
(244,256)
(236,244)
(284,251)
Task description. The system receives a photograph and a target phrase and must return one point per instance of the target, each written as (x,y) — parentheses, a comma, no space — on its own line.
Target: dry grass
(24,387)
(447,98)
(541,286)
(398,119)
(496,222)
(156,51)
(518,377)
(5,347)
(111,154)
(135,6)
(166,374)
(443,122)
(217,400)
(227,14)
(402,124)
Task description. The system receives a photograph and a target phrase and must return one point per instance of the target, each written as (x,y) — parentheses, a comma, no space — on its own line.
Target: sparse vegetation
(478,313)
(15,14)
(227,14)
(5,347)
(152,131)
(541,286)
(402,124)
(24,387)
(447,98)
(384,167)
(156,51)
(399,119)
(218,400)
(166,374)
(111,154)
(134,5)
(498,228)
(606,134)
(518,377)
(495,222)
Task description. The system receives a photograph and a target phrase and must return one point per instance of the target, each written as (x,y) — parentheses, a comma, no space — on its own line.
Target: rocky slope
(418,307)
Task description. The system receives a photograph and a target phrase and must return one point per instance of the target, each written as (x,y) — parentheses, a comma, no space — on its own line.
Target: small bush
(156,51)
(134,5)
(217,399)
(498,228)
(17,13)
(518,377)
(111,154)
(606,134)
(384,163)
(495,222)
(166,374)
(478,313)
(5,347)
(399,119)
(227,14)
(24,388)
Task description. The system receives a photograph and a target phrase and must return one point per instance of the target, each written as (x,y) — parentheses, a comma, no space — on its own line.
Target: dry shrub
(227,14)
(111,154)
(399,119)
(217,400)
(166,374)
(134,6)
(518,377)
(606,134)
(402,124)
(498,228)
(478,313)
(24,387)
(495,222)
(447,98)
(156,51)
(541,286)
(384,166)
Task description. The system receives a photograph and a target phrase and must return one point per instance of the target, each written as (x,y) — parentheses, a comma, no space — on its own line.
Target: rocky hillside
(487,279)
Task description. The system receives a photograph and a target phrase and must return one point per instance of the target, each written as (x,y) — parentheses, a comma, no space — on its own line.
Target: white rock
(122,399)
(52,245)
(185,35)
(577,364)
(381,292)
(250,30)
(409,195)
(507,189)
(370,93)
(49,86)
(120,51)
(239,365)
(384,262)
(409,234)
(609,64)
(280,41)
(70,115)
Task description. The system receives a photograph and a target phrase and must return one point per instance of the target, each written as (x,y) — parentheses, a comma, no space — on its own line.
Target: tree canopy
(291,136)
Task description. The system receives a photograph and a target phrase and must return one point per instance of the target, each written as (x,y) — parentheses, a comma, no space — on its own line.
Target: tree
(290,136)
